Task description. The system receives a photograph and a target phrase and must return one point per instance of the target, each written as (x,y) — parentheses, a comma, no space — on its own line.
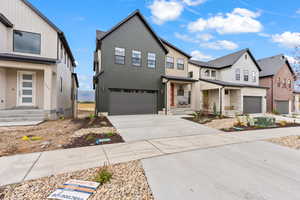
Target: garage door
(282,107)
(252,104)
(132,102)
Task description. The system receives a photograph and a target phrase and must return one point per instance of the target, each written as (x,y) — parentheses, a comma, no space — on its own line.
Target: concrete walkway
(145,127)
(22,167)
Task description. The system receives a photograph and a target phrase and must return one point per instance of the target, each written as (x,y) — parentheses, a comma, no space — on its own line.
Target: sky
(206,29)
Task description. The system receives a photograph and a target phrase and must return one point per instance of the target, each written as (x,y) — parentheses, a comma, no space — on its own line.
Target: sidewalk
(24,167)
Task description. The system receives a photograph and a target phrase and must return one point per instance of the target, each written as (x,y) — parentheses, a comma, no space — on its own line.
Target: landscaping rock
(45,144)
(86,131)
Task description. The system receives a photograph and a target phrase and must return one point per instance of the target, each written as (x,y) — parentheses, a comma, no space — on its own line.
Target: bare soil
(288,141)
(53,135)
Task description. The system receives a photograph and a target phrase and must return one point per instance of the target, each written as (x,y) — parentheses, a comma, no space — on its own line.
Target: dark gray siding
(133,35)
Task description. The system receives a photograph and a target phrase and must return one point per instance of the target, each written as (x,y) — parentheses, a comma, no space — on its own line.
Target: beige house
(36,64)
(178,81)
(229,84)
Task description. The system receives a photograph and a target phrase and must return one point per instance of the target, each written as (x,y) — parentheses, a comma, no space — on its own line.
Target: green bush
(92,116)
(275,112)
(90,137)
(265,121)
(110,134)
(103,176)
(215,109)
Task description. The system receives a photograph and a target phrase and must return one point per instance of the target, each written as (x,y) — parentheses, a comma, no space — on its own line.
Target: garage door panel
(122,103)
(282,107)
(252,104)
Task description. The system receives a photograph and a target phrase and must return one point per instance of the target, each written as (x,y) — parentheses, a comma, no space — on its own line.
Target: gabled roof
(225,61)
(5,21)
(176,48)
(229,84)
(60,33)
(101,34)
(271,65)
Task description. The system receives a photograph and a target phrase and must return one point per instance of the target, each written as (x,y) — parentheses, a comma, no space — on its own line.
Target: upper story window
(180,63)
(119,56)
(170,62)
(278,82)
(246,75)
(207,73)
(26,42)
(254,77)
(237,74)
(284,83)
(246,56)
(191,74)
(136,58)
(151,60)
(289,83)
(213,74)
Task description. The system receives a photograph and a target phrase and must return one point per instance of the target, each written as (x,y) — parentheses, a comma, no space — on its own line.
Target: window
(180,63)
(284,83)
(25,42)
(136,58)
(246,75)
(278,82)
(207,73)
(151,60)
(238,74)
(226,92)
(213,73)
(61,82)
(119,56)
(180,91)
(191,74)
(253,77)
(289,83)
(170,62)
(246,56)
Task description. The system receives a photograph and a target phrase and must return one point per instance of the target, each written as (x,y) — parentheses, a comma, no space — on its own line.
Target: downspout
(272,94)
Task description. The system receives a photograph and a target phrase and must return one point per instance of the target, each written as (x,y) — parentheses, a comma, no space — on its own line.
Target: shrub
(265,121)
(89,138)
(275,112)
(197,115)
(92,116)
(283,123)
(103,176)
(110,134)
(35,138)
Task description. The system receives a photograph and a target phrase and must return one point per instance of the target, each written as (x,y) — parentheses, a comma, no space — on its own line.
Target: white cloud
(85,82)
(240,20)
(298,11)
(186,38)
(287,39)
(197,55)
(221,44)
(163,10)
(292,60)
(264,35)
(205,36)
(193,2)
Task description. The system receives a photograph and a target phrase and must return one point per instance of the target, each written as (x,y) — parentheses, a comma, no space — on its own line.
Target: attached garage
(252,104)
(131,102)
(282,107)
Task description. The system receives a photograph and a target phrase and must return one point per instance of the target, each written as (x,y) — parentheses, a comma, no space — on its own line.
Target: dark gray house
(129,62)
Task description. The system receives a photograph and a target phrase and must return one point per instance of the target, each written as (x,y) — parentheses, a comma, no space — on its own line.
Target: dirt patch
(47,136)
(128,182)
(93,139)
(249,128)
(205,119)
(288,141)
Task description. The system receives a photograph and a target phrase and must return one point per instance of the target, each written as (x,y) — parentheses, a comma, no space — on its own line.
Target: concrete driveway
(248,171)
(141,127)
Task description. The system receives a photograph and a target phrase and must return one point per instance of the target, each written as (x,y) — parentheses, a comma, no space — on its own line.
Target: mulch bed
(249,128)
(90,140)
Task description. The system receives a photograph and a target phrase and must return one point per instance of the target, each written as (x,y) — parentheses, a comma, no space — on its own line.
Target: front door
(2,88)
(26,88)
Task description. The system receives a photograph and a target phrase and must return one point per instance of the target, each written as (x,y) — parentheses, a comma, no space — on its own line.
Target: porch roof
(178,78)
(5,21)
(30,59)
(229,84)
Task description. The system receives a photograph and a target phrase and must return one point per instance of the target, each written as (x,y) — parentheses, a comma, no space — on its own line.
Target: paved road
(246,171)
(143,127)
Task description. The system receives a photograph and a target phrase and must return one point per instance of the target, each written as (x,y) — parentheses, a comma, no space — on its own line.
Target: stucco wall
(3,38)
(24,19)
(196,90)
(228,74)
(177,72)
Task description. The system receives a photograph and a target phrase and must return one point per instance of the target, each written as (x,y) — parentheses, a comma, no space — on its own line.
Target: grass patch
(103,176)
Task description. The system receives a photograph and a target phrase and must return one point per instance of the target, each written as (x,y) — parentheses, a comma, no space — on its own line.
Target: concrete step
(20,119)
(182,111)
(21,112)
(22,115)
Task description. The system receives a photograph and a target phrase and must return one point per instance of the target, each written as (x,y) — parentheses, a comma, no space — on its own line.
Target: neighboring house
(36,65)
(278,75)
(129,63)
(230,84)
(296,103)
(179,82)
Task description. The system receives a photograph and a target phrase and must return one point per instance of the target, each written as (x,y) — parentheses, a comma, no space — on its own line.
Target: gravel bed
(128,183)
(288,141)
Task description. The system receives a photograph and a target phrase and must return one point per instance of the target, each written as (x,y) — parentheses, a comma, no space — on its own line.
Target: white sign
(75,190)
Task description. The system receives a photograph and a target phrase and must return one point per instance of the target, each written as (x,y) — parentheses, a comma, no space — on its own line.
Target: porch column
(168,89)
(47,88)
(222,101)
(296,103)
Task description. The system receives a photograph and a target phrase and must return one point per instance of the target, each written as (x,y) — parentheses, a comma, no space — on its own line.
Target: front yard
(51,135)
(128,182)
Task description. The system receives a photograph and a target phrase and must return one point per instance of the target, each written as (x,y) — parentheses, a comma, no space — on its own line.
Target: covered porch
(26,86)
(178,98)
